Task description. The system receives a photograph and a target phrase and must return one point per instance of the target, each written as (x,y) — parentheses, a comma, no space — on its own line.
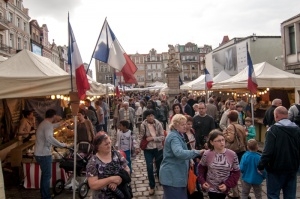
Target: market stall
(29,81)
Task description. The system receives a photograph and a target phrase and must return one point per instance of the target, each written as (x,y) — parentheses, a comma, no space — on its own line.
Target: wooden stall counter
(16,154)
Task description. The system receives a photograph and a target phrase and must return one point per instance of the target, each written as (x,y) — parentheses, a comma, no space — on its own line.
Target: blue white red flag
(76,64)
(109,50)
(208,79)
(252,84)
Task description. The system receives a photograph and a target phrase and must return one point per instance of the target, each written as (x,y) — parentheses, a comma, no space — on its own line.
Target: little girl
(126,141)
(250,129)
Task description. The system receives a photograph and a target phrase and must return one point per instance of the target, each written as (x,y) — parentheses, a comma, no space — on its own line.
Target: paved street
(139,185)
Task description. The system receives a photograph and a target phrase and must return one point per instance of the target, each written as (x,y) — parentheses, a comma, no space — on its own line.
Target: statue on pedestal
(173,63)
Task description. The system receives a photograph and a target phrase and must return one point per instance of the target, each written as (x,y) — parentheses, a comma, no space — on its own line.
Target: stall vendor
(27,125)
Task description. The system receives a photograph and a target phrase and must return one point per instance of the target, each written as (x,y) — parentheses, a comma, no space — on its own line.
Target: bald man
(269,114)
(281,156)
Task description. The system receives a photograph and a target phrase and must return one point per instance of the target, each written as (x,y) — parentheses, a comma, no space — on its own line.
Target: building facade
(35,40)
(153,67)
(139,60)
(104,73)
(63,58)
(231,56)
(14,27)
(290,33)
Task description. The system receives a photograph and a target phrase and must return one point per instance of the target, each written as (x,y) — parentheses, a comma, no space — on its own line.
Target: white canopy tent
(191,85)
(267,76)
(29,75)
(218,78)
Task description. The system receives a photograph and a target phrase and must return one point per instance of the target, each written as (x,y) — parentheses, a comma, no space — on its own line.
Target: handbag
(237,145)
(144,142)
(192,181)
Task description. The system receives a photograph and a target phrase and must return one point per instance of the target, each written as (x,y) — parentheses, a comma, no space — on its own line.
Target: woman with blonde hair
(176,160)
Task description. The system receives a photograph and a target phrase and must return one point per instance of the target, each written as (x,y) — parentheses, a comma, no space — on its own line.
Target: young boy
(250,175)
(250,128)
(126,141)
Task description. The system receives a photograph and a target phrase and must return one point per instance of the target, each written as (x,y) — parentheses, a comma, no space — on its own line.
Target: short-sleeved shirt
(96,167)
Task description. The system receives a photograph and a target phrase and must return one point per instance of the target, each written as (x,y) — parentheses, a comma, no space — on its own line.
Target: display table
(32,175)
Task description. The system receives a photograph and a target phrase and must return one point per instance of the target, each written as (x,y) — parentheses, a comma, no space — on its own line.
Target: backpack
(297,117)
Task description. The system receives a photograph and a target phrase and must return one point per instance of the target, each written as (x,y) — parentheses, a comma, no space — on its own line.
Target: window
(158,66)
(11,40)
(292,40)
(19,43)
(10,17)
(152,58)
(108,78)
(148,66)
(24,26)
(18,22)
(153,66)
(103,69)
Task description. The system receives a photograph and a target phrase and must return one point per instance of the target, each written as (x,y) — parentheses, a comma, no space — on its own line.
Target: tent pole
(252,111)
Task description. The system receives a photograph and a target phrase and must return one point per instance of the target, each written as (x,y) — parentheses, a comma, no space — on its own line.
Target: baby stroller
(84,152)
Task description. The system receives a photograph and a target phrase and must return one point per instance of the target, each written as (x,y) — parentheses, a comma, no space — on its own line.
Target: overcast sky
(141,25)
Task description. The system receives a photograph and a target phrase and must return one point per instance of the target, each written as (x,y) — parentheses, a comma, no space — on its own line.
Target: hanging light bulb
(220,92)
(58,96)
(68,98)
(61,97)
(268,89)
(65,98)
(53,97)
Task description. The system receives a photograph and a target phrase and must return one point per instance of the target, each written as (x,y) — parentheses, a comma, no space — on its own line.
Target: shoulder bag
(144,142)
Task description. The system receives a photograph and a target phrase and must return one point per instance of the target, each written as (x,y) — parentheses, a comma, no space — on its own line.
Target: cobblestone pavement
(139,185)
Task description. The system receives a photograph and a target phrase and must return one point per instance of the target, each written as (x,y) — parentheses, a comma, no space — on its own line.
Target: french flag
(208,79)
(109,50)
(252,84)
(76,64)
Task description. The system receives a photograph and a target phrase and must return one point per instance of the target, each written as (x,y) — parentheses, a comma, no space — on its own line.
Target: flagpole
(252,110)
(68,51)
(95,47)
(74,186)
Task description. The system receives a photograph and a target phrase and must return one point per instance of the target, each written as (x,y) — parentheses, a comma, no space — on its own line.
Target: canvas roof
(29,75)
(266,76)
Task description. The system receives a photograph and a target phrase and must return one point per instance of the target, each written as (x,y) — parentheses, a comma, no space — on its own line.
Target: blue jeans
(45,163)
(128,158)
(150,154)
(286,181)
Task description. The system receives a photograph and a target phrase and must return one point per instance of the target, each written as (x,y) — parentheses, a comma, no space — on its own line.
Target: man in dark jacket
(281,156)
(269,115)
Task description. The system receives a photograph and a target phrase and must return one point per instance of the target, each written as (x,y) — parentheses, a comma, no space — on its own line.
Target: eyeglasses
(221,140)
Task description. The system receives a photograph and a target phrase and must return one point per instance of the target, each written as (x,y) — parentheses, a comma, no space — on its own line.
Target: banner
(40,106)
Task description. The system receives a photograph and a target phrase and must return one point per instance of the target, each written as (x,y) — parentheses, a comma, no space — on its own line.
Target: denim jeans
(150,155)
(285,181)
(128,158)
(45,163)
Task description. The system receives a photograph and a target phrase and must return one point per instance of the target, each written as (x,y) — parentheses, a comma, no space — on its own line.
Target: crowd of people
(215,137)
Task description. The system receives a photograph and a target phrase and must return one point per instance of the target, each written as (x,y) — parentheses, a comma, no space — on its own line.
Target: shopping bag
(192,181)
